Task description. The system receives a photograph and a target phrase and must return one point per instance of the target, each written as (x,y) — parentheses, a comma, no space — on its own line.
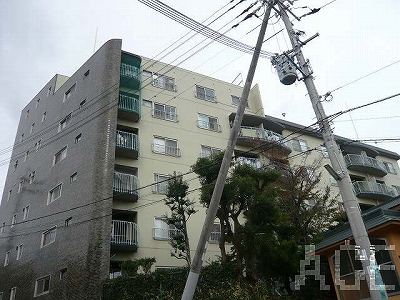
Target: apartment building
(86,183)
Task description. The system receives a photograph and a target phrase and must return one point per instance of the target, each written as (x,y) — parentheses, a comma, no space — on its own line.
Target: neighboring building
(73,208)
(383,225)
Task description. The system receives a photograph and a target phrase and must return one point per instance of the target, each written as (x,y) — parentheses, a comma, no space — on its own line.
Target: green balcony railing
(129,104)
(130,71)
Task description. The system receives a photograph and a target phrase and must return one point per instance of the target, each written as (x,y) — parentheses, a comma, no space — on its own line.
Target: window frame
(7,259)
(163,114)
(147,103)
(213,150)
(32,177)
(69,92)
(44,116)
(36,294)
(200,122)
(238,101)
(205,90)
(64,122)
(173,151)
(62,154)
(14,220)
(157,185)
(32,128)
(25,212)
(13,293)
(48,231)
(51,193)
(165,229)
(298,145)
(20,186)
(19,251)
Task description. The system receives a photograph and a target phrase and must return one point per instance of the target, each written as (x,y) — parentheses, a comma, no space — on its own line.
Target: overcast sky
(41,38)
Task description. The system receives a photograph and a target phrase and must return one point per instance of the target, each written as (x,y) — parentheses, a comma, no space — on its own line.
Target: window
(236,101)
(42,286)
(166,146)
(324,152)
(67,221)
(160,184)
(63,273)
(20,186)
(9,195)
(19,251)
(3,227)
(25,212)
(14,220)
(164,82)
(299,145)
(27,114)
(32,176)
(146,103)
(389,167)
(73,177)
(49,92)
(86,74)
(207,122)
(26,155)
(22,137)
(69,92)
(82,104)
(37,103)
(64,122)
(32,127)
(15,165)
(48,237)
(215,235)
(60,155)
(78,138)
(162,230)
(207,151)
(13,293)
(204,93)
(310,174)
(7,259)
(165,112)
(44,116)
(37,145)
(54,194)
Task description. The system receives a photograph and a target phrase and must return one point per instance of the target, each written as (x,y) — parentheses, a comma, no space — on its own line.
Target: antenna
(95,40)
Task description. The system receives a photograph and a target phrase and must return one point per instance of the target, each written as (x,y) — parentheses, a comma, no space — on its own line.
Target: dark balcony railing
(127,144)
(373,190)
(130,76)
(126,186)
(365,164)
(124,234)
(129,107)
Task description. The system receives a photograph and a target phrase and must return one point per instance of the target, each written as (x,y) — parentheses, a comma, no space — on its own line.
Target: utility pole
(197,262)
(339,168)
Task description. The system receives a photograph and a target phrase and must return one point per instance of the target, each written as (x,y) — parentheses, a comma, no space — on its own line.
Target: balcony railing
(130,71)
(161,114)
(125,184)
(164,233)
(213,126)
(129,105)
(255,133)
(124,233)
(127,144)
(373,190)
(366,164)
(254,162)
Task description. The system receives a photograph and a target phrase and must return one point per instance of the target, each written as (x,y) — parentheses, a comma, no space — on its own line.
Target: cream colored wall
(190,138)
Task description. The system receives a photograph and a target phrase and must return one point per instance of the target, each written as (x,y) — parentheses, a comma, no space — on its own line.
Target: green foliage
(130,268)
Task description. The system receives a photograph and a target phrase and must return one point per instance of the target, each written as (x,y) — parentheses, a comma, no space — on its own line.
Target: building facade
(93,153)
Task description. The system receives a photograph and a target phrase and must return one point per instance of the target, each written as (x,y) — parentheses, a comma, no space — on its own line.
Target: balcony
(249,136)
(130,76)
(254,162)
(129,107)
(124,236)
(127,144)
(365,164)
(126,187)
(373,190)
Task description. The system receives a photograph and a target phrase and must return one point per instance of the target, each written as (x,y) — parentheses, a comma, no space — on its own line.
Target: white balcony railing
(125,183)
(124,233)
(263,134)
(127,140)
(254,162)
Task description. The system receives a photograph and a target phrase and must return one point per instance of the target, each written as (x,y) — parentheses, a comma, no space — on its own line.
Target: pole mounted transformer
(285,68)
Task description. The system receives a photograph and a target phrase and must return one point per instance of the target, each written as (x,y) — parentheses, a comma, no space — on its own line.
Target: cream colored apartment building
(86,184)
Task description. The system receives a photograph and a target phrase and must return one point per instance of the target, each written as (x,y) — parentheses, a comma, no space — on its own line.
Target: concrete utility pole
(339,168)
(197,262)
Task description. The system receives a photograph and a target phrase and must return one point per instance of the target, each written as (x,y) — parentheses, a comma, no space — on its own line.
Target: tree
(181,210)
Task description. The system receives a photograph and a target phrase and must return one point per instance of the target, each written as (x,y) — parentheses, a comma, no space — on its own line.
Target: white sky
(41,38)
